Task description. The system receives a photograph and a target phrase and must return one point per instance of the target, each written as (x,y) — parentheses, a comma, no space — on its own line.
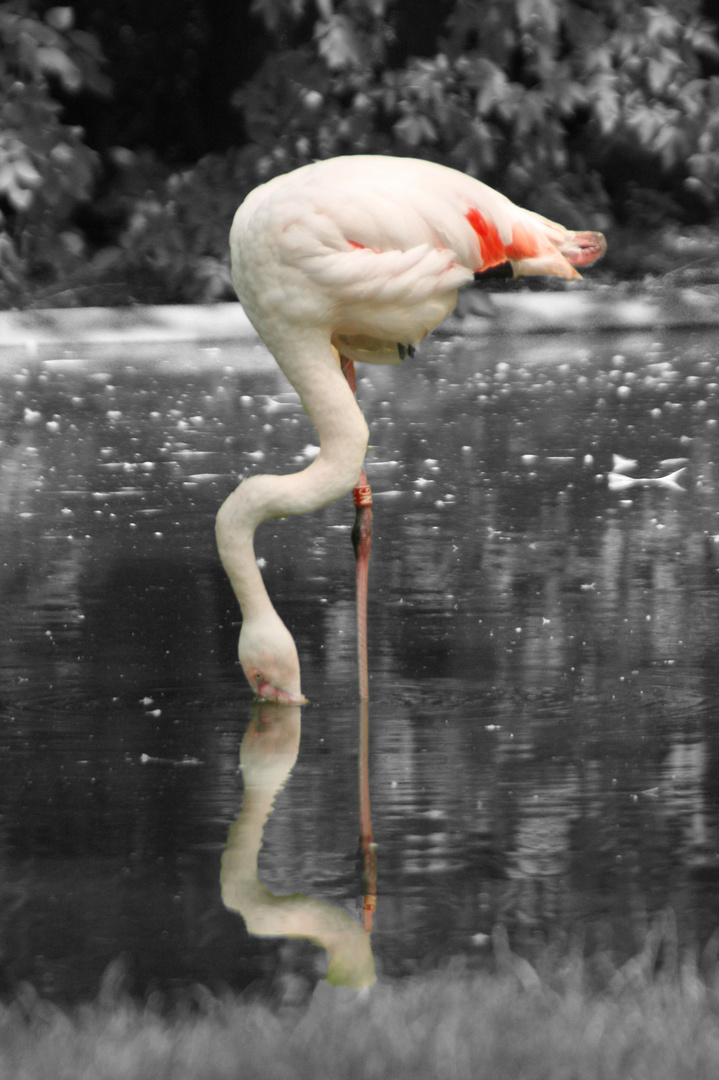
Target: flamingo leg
(362,543)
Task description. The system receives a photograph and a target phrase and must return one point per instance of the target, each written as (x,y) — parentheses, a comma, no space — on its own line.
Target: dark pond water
(544,717)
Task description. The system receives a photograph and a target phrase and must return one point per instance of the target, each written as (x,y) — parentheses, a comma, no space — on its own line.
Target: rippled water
(543,661)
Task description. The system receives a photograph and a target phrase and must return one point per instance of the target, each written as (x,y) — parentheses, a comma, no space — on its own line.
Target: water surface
(543,717)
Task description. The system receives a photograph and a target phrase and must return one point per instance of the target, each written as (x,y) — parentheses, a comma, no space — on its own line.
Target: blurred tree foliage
(591,111)
(46,168)
(556,102)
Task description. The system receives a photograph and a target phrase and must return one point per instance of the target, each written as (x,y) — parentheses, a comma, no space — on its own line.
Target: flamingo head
(269,660)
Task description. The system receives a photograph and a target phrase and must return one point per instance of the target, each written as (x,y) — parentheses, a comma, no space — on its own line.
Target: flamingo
(355,259)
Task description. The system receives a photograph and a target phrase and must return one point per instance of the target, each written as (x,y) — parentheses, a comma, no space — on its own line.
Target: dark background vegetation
(131,130)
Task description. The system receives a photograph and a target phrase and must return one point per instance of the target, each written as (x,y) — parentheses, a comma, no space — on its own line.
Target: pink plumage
(360,256)
(377,247)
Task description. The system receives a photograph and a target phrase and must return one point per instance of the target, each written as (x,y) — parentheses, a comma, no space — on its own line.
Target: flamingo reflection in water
(345,260)
(267,755)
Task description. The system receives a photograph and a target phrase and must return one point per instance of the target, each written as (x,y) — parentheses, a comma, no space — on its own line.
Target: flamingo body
(361,256)
(374,249)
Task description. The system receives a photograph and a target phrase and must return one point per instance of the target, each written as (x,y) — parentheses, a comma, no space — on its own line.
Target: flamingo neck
(311,366)
(235,542)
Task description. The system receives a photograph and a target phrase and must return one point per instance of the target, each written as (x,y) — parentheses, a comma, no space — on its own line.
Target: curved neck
(311,366)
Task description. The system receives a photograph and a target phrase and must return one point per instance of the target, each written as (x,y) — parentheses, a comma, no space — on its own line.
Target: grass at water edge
(518,1024)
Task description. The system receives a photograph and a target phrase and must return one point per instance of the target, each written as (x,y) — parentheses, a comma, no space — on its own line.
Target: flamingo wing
(375,248)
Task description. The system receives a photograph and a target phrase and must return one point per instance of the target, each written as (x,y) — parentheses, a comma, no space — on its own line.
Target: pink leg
(362,543)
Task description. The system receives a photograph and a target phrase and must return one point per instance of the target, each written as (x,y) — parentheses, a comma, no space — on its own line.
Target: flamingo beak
(265,691)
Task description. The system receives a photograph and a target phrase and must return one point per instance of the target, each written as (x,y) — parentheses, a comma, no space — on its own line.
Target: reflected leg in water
(267,755)
(367,844)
